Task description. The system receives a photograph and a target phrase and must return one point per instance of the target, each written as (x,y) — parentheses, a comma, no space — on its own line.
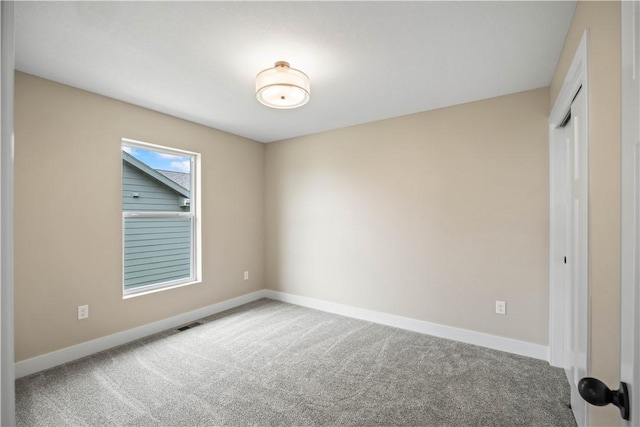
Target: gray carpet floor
(271,363)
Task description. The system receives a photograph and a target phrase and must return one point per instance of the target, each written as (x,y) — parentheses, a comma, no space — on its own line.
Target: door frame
(630,211)
(7,366)
(576,78)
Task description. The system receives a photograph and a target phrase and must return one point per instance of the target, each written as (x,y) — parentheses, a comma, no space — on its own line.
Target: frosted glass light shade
(282,87)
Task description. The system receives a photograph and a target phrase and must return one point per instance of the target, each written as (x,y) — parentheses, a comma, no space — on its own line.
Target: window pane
(156,250)
(155,182)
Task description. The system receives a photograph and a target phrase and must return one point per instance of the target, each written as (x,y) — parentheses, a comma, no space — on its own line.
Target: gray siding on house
(152,194)
(156,250)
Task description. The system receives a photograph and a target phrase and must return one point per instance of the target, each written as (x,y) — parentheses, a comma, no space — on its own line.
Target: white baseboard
(58,357)
(495,342)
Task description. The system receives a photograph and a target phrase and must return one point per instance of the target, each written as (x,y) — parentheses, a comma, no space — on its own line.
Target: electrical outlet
(501,307)
(246,275)
(83,312)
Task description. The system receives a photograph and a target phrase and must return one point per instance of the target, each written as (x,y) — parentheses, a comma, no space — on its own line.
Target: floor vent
(189,326)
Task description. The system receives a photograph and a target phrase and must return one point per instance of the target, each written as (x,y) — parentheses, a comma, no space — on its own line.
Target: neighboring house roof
(155,174)
(181,178)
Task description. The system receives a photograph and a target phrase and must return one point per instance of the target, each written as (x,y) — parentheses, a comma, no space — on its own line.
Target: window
(159,217)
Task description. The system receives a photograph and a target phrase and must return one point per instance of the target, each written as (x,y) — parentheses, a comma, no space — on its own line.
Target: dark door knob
(597,393)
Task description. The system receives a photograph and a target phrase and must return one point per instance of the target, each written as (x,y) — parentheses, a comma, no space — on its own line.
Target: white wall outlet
(246,275)
(83,312)
(501,307)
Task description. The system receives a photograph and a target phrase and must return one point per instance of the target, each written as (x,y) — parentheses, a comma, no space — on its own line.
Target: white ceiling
(366,60)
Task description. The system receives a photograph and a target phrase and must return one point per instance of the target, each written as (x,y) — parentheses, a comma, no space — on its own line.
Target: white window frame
(195,276)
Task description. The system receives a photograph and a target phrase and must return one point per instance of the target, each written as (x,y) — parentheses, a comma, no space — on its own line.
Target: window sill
(153,291)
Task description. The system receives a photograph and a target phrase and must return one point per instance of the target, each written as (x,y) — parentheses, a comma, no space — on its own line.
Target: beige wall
(68,238)
(432,216)
(603,21)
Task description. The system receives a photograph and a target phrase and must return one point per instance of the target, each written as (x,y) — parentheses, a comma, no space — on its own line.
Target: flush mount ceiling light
(282,87)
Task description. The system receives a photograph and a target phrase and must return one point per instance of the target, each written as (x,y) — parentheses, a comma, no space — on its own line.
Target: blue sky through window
(158,160)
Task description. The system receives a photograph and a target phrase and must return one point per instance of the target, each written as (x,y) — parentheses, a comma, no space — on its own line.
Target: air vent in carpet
(189,326)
